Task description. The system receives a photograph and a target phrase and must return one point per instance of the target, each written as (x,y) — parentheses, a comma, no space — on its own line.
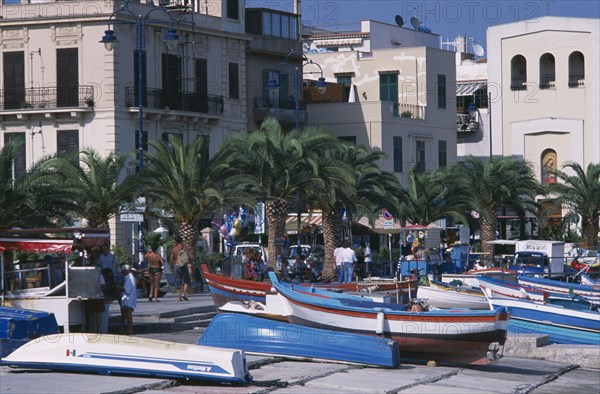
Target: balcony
(282,109)
(163,99)
(576,81)
(547,81)
(466,123)
(51,97)
(408,111)
(518,83)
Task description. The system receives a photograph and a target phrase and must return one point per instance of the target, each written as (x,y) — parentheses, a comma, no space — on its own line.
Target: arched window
(547,71)
(518,73)
(548,166)
(576,70)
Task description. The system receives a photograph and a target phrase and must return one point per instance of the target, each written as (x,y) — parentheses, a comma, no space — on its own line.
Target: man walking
(349,258)
(339,263)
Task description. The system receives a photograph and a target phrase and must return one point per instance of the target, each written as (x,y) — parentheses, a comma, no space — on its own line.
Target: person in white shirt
(368,260)
(349,258)
(128,297)
(337,253)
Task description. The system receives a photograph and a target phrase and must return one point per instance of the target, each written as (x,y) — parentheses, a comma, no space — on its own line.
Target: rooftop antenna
(399,20)
(415,22)
(478,50)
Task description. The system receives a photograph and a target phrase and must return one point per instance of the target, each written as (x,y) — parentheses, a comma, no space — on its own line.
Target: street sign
(131,217)
(387,215)
(388,224)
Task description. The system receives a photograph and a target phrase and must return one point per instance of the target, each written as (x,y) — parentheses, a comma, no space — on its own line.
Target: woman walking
(155,269)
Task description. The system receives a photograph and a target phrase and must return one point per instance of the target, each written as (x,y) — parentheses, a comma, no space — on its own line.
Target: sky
(446,18)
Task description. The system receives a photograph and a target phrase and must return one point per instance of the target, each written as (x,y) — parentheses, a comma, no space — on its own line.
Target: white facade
(412,120)
(63,91)
(545,85)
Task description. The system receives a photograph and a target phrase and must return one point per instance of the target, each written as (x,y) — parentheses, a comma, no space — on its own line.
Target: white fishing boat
(127,355)
(445,296)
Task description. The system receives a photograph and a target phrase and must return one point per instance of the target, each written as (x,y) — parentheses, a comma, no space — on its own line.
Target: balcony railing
(47,97)
(466,123)
(518,83)
(175,100)
(576,80)
(408,111)
(279,103)
(547,81)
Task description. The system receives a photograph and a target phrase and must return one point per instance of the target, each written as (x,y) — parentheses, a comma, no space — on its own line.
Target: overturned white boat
(130,355)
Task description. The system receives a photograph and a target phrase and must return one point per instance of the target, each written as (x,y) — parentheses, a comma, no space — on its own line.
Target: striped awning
(312,220)
(467,89)
(339,41)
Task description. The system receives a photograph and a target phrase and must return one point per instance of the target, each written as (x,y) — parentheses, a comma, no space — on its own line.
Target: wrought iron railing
(280,103)
(466,123)
(547,81)
(175,100)
(518,83)
(47,97)
(576,80)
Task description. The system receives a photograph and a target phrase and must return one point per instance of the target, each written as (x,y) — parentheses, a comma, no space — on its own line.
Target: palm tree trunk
(189,236)
(488,233)
(589,229)
(332,226)
(276,211)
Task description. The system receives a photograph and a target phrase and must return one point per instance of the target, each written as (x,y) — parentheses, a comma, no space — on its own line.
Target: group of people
(254,265)
(345,261)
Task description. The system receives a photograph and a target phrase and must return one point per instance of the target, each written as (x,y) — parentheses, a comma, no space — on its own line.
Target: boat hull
(452,336)
(126,355)
(565,288)
(281,339)
(564,326)
(19,326)
(446,297)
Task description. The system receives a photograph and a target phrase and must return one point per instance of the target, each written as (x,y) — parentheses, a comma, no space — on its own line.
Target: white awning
(467,89)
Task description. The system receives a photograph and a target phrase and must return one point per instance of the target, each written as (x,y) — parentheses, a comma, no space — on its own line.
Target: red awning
(36,245)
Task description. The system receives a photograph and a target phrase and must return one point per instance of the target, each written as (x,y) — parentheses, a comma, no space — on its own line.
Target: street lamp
(321,87)
(110,40)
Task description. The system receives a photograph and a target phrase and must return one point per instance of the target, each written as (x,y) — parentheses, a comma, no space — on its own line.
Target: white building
(399,93)
(62,91)
(545,87)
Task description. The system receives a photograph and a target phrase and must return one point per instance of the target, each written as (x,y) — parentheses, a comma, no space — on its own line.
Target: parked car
(241,249)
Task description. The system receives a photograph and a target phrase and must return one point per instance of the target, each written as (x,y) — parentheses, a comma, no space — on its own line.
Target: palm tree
(92,187)
(188,185)
(579,193)
(499,182)
(279,165)
(431,196)
(15,196)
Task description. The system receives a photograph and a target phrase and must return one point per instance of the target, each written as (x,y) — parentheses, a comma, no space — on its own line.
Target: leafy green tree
(15,196)
(278,166)
(93,187)
(431,196)
(184,185)
(578,190)
(499,182)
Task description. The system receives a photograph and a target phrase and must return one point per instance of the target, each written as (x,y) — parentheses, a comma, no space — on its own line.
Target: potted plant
(406,114)
(89,101)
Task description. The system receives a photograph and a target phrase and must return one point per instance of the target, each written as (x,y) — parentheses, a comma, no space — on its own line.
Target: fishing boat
(446,296)
(566,320)
(470,277)
(124,355)
(224,289)
(564,288)
(588,281)
(455,336)
(19,326)
(281,339)
(503,289)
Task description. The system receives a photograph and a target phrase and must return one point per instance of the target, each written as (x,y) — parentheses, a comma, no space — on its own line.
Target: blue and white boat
(555,287)
(19,326)
(266,337)
(126,355)
(567,320)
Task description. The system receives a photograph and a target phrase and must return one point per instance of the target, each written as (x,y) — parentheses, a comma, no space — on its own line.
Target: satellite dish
(399,20)
(415,22)
(478,50)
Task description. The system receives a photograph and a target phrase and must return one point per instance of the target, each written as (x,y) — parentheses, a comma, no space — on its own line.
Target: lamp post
(321,87)
(110,39)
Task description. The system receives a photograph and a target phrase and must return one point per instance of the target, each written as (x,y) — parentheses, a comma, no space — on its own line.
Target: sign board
(388,224)
(131,217)
(259,219)
(387,215)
